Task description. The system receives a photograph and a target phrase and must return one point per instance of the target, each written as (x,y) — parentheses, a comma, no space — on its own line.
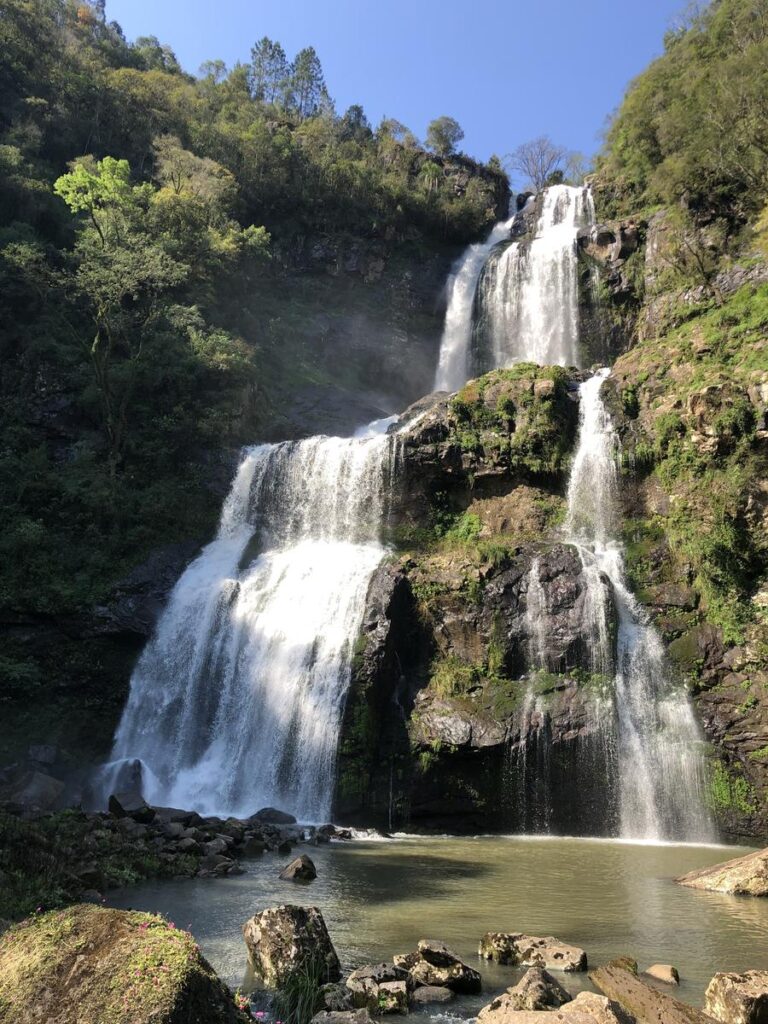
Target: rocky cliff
(447,724)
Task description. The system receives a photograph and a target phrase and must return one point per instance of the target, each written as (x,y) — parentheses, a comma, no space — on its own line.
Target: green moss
(109,967)
(730,791)
(760,754)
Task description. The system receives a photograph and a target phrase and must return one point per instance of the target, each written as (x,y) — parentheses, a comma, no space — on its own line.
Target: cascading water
(236,701)
(452,370)
(660,768)
(519,302)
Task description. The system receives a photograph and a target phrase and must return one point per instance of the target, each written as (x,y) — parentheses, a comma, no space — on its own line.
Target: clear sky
(507,71)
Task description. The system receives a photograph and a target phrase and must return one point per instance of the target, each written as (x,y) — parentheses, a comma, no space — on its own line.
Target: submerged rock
(88,964)
(738,998)
(432,994)
(283,941)
(531,951)
(302,869)
(537,990)
(743,876)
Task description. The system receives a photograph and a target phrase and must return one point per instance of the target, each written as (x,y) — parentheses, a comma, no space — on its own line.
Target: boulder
(663,972)
(532,951)
(537,990)
(272,816)
(283,941)
(591,1008)
(252,846)
(38,790)
(336,997)
(434,964)
(743,876)
(738,998)
(131,804)
(365,984)
(43,753)
(432,994)
(87,964)
(393,997)
(302,869)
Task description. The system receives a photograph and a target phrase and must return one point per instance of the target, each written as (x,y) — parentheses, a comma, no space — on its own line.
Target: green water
(379,898)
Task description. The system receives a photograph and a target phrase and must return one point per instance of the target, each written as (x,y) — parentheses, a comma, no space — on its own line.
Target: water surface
(379,898)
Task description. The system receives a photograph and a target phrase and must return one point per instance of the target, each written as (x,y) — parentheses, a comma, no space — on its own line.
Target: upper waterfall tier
(235,702)
(512,302)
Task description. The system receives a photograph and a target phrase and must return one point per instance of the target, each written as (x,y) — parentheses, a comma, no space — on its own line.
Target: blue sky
(507,71)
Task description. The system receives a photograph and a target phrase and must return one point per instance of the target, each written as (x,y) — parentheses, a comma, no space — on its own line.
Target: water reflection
(380,898)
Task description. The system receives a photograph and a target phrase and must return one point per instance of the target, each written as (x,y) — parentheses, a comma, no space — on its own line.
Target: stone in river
(738,998)
(532,951)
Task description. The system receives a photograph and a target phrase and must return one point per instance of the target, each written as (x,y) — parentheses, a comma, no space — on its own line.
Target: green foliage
(299,998)
(443,134)
(693,124)
(729,791)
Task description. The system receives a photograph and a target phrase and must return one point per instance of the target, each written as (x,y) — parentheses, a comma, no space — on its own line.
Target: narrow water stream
(379,898)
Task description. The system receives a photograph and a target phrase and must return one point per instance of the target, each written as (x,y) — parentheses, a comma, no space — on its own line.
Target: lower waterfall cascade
(236,701)
(660,768)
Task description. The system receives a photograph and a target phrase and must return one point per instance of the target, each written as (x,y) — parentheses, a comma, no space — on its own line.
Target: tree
(443,134)
(307,84)
(355,125)
(102,189)
(269,71)
(536,161)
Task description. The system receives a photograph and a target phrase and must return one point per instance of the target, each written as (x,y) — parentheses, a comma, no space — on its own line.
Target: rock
(43,754)
(537,990)
(743,876)
(618,981)
(738,998)
(79,964)
(531,951)
(188,845)
(332,832)
(284,940)
(432,994)
(436,965)
(131,804)
(365,984)
(302,869)
(284,846)
(91,896)
(37,790)
(664,972)
(272,816)
(393,997)
(215,846)
(342,1017)
(591,1008)
(336,997)
(253,847)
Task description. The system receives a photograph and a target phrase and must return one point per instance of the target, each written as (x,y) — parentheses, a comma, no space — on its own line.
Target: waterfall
(660,767)
(536,619)
(237,699)
(517,302)
(452,370)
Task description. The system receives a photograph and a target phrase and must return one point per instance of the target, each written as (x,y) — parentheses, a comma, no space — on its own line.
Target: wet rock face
(738,998)
(283,941)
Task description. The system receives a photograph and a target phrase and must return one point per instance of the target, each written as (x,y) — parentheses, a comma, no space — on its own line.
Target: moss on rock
(89,965)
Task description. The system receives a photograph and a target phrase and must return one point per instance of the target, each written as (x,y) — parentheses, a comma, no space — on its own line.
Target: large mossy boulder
(91,965)
(289,940)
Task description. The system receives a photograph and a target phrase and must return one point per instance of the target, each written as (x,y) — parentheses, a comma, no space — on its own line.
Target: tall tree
(307,83)
(268,72)
(443,134)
